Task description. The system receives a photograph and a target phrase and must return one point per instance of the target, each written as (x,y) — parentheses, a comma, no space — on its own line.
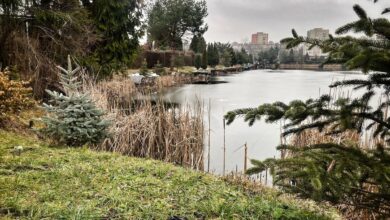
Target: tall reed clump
(150,129)
(173,80)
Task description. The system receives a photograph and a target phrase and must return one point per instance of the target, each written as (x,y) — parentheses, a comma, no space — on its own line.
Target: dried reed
(173,80)
(149,129)
(365,140)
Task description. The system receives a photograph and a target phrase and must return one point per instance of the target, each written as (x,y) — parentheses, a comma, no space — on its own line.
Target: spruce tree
(120,25)
(341,173)
(73,119)
(198,61)
(233,56)
(198,45)
(194,44)
(212,55)
(226,59)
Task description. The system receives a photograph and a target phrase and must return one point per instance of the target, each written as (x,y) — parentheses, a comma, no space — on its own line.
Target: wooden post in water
(209,147)
(224,149)
(246,158)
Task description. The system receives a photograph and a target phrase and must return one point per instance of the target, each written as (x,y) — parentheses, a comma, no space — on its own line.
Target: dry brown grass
(348,138)
(366,140)
(148,129)
(167,81)
(252,187)
(313,137)
(173,80)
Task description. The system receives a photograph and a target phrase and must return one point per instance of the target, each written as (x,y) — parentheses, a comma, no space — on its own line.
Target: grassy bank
(38,181)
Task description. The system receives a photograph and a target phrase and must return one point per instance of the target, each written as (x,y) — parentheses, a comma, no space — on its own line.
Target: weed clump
(15,96)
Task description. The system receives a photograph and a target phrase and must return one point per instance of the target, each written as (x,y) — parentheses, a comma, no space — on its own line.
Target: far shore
(327,67)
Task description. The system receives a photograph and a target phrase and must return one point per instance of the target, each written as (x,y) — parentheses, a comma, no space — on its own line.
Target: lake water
(250,89)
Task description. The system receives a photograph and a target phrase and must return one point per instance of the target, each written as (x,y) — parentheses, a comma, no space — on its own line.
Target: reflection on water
(249,89)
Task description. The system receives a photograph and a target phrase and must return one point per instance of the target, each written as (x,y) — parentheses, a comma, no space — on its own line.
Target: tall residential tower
(260,38)
(318,34)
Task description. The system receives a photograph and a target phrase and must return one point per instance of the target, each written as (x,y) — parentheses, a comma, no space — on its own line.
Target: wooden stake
(246,158)
(209,147)
(224,147)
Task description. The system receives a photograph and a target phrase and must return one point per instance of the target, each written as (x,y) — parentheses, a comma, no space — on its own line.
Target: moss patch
(38,181)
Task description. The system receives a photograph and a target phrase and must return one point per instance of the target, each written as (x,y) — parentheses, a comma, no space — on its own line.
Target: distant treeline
(277,55)
(213,54)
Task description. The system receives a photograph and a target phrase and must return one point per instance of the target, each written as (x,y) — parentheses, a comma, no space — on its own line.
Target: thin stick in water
(224,147)
(246,158)
(209,147)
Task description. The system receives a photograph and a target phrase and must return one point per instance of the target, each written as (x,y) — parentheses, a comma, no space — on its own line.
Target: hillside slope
(38,181)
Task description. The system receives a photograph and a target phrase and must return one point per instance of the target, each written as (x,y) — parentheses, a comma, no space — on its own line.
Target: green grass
(62,183)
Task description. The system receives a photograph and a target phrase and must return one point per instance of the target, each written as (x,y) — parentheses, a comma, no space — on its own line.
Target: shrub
(159,69)
(15,96)
(144,68)
(73,118)
(178,61)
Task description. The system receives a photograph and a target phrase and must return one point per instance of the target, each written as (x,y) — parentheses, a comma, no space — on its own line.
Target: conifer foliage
(120,26)
(170,20)
(212,55)
(73,119)
(341,173)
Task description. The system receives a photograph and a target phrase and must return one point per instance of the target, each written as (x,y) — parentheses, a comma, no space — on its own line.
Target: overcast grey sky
(236,20)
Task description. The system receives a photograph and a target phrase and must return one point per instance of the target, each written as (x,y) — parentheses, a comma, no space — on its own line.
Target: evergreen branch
(335,172)
(360,12)
(232,115)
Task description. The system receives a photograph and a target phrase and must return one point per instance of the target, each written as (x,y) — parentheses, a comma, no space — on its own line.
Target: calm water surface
(250,89)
